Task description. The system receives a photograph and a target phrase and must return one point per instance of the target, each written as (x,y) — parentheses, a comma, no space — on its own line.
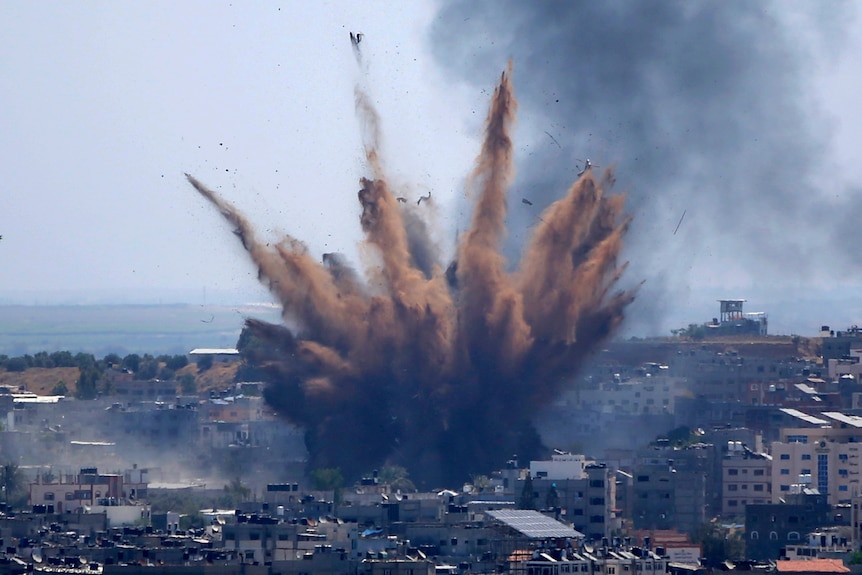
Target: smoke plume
(438,368)
(711,103)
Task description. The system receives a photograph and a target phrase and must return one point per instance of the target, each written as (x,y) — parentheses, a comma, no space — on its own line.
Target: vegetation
(694,331)
(682,436)
(13,485)
(528,496)
(234,493)
(397,477)
(328,479)
(83,376)
(719,543)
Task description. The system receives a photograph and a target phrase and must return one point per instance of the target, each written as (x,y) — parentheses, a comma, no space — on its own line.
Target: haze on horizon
(741,117)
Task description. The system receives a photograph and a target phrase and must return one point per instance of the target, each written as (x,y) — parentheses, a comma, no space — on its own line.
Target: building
(770,527)
(746,478)
(825,458)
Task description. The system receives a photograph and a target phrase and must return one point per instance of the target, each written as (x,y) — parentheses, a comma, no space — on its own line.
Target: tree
(719,544)
(148,368)
(205,362)
(87,386)
(12,484)
(188,384)
(16,364)
(328,479)
(60,388)
(235,493)
(528,496)
(397,477)
(132,362)
(112,360)
(176,362)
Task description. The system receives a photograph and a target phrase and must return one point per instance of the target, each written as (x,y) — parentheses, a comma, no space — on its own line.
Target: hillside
(42,381)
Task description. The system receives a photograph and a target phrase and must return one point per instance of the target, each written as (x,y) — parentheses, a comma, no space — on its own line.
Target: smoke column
(711,103)
(437,369)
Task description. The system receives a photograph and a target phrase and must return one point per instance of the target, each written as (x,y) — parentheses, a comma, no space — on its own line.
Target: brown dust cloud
(435,367)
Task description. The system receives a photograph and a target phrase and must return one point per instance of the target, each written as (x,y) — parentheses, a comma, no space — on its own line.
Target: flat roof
(851,420)
(804,416)
(534,524)
(214,351)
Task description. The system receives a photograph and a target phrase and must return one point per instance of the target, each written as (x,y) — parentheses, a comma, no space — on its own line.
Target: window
(806,457)
(792,536)
(597,500)
(732,487)
(733,471)
(754,535)
(597,483)
(49,496)
(732,502)
(773,536)
(785,456)
(758,472)
(842,457)
(643,478)
(797,439)
(785,472)
(842,488)
(758,487)
(785,488)
(806,471)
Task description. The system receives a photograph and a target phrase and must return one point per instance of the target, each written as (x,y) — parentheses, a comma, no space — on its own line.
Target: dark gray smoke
(439,372)
(705,109)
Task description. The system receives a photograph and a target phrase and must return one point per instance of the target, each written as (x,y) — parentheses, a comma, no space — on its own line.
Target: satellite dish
(589,548)
(216,528)
(36,554)
(82,560)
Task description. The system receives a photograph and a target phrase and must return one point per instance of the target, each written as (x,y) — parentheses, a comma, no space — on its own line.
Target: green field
(123,329)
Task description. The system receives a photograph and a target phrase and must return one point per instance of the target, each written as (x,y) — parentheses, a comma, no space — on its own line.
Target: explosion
(438,370)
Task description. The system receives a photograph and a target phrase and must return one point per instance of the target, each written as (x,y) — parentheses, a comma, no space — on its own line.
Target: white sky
(106,104)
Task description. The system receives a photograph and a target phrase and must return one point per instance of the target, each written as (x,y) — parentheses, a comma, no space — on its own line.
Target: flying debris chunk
(679,223)
(402,363)
(587,165)
(426,198)
(526,201)
(355,39)
(553,139)
(401,199)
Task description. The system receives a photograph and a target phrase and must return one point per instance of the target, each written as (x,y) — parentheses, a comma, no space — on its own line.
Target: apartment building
(824,458)
(746,478)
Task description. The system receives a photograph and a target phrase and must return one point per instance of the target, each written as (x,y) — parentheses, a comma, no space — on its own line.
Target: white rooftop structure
(810,419)
(851,420)
(533,524)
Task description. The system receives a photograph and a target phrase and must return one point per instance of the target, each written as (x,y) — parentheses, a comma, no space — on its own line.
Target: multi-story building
(746,478)
(770,527)
(671,487)
(825,458)
(584,492)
